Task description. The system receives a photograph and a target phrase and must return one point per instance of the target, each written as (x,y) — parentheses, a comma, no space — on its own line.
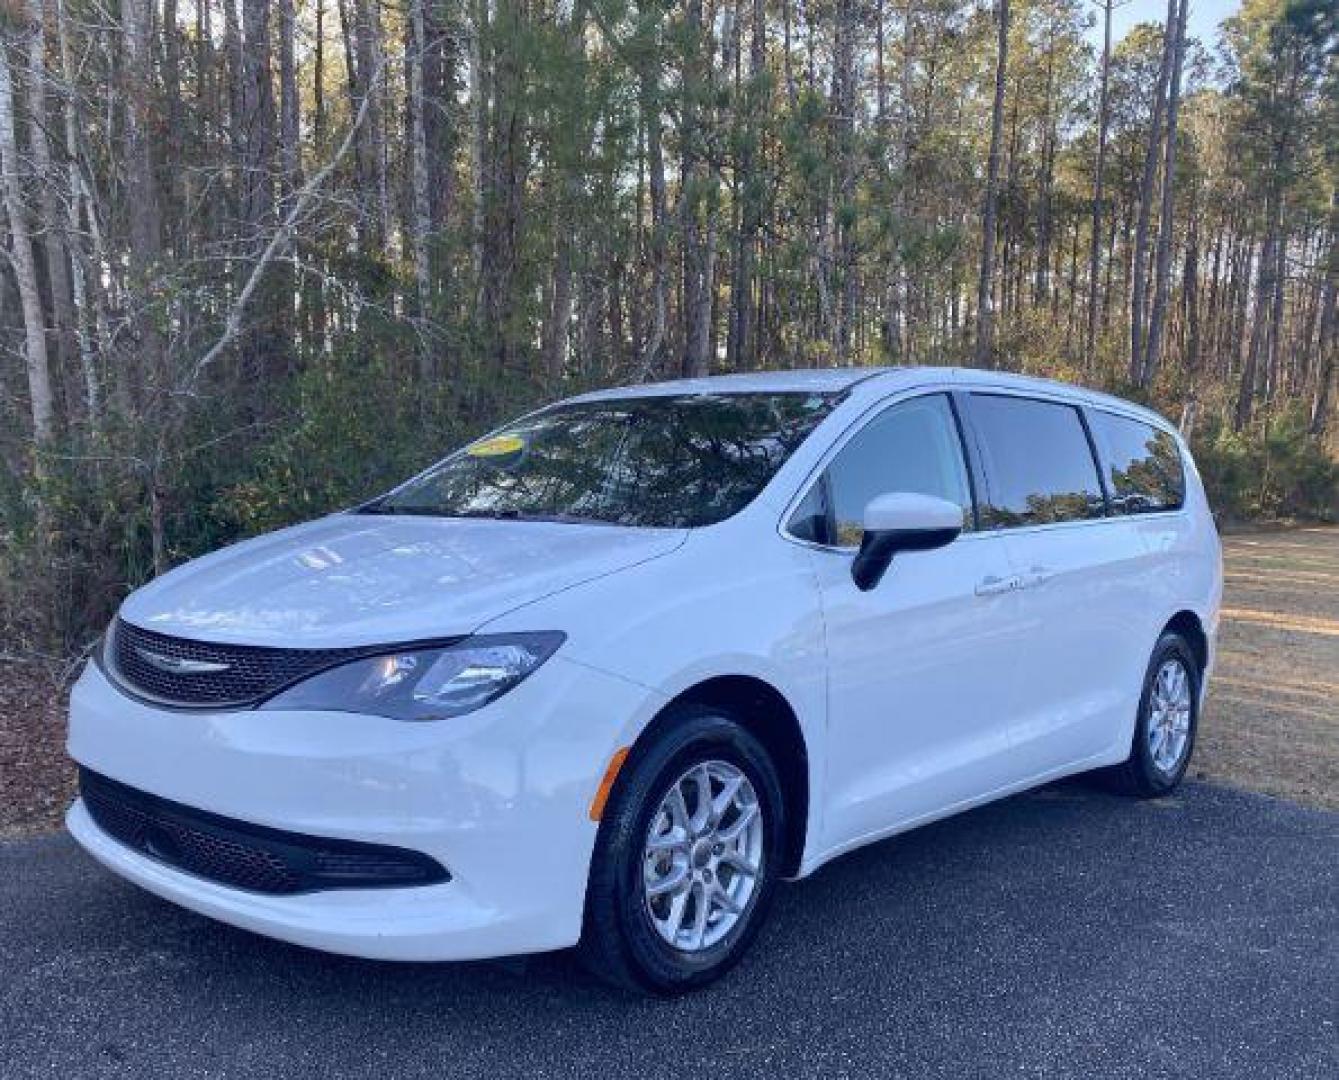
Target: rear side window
(1038,461)
(911,447)
(1144,470)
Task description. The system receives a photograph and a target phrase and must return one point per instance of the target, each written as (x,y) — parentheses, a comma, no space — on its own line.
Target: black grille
(224,674)
(246,856)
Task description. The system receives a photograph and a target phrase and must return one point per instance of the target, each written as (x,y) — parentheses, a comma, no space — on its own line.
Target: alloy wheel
(1169,716)
(703,856)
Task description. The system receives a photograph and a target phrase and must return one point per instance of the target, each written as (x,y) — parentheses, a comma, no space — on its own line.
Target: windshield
(674,462)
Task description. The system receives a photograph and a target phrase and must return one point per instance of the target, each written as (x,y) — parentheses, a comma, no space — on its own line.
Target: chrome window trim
(858,424)
(1076,399)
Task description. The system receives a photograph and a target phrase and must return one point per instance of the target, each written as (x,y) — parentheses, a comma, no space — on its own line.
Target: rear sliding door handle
(1038,575)
(994,585)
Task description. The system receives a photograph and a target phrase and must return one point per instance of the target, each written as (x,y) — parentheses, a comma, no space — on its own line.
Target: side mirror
(901,521)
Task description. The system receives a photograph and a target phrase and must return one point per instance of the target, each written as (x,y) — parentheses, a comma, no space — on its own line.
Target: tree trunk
(652,354)
(290,145)
(1162,279)
(86,320)
(48,184)
(141,195)
(479,106)
(559,318)
(696,210)
(421,216)
(844,108)
(290,177)
(173,137)
(1190,289)
(365,80)
(262,347)
(985,311)
(25,269)
(742,348)
(1138,269)
(1041,277)
(1328,335)
(1264,300)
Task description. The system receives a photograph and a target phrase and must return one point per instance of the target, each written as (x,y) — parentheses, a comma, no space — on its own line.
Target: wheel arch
(1188,625)
(770,718)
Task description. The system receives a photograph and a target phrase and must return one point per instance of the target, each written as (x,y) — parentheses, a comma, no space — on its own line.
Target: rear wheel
(1164,733)
(687,855)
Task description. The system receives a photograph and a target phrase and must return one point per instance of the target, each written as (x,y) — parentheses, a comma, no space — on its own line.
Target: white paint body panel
(916,699)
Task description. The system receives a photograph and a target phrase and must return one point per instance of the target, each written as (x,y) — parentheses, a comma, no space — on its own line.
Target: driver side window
(911,447)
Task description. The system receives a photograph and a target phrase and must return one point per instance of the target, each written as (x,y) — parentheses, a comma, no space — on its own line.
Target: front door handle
(994,585)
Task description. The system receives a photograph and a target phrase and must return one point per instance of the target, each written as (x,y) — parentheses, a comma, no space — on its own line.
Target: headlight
(424,684)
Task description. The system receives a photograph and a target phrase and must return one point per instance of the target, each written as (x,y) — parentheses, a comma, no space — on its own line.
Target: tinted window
(1144,472)
(674,461)
(912,447)
(1039,465)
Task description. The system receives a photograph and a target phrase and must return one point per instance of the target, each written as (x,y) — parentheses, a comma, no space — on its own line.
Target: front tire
(1164,733)
(687,855)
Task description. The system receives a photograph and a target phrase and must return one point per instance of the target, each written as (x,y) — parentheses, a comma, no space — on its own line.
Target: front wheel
(687,856)
(1164,732)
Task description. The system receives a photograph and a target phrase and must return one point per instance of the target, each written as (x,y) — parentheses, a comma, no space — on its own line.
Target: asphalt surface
(1062,933)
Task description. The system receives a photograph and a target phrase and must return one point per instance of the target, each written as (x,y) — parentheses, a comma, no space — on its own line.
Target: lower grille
(245,856)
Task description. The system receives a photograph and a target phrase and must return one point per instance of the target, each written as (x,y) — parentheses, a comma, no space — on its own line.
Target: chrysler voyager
(607,675)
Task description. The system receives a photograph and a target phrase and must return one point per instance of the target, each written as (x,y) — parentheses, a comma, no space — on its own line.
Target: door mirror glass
(902,521)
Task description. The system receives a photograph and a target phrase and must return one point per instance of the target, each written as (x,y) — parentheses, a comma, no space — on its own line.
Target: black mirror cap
(878,548)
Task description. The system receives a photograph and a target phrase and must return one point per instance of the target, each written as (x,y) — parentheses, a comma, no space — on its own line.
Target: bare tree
(25,267)
(86,320)
(47,187)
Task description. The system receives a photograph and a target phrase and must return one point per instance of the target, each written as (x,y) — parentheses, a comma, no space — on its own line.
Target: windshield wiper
(403,511)
(494,515)
(527,515)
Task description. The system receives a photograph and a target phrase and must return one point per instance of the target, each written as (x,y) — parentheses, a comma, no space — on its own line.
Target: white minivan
(608,674)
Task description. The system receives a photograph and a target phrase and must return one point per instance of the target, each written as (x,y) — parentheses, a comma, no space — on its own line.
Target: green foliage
(361,425)
(1272,470)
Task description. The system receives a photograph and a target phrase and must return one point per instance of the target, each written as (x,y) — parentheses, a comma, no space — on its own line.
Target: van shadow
(952,944)
(952,918)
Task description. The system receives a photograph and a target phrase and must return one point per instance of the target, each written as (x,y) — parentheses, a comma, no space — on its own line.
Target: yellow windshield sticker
(497,446)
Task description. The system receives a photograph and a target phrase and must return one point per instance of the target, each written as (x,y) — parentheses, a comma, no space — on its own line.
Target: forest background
(262,258)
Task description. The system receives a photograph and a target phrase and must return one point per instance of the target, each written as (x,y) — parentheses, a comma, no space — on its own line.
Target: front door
(921,668)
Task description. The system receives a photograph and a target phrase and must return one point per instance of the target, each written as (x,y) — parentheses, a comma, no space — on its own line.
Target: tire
(1153,769)
(621,941)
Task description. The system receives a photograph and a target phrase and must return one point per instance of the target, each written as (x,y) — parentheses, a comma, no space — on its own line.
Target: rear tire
(670,906)
(1164,732)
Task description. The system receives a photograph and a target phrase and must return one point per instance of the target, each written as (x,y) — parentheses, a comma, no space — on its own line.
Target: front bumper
(499,797)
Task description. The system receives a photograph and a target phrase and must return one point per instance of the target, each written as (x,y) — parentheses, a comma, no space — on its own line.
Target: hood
(353,579)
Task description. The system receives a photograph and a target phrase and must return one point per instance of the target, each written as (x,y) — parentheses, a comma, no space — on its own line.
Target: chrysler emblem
(177,665)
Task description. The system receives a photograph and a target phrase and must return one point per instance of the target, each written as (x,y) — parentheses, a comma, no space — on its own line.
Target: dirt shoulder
(1271,724)
(36,778)
(1272,720)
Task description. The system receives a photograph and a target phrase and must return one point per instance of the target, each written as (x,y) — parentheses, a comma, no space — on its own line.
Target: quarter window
(911,447)
(1143,466)
(1039,464)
